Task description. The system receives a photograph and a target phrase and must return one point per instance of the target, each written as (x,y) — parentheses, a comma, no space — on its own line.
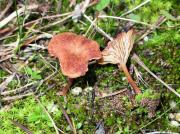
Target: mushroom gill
(117,52)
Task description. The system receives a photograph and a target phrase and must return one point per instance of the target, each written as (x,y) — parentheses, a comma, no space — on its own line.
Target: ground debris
(115,102)
(100,128)
(151,105)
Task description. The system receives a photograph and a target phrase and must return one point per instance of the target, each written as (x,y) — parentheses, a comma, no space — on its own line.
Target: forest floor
(102,100)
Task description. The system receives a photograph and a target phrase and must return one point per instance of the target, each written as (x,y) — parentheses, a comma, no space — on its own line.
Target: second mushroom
(117,52)
(74,52)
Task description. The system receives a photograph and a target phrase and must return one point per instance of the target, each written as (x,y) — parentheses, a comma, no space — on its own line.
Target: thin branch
(68,119)
(57,22)
(140,5)
(97,28)
(52,121)
(7,57)
(161,132)
(160,21)
(4,84)
(18,90)
(26,25)
(15,13)
(114,93)
(10,2)
(22,127)
(12,98)
(137,59)
(90,27)
(126,19)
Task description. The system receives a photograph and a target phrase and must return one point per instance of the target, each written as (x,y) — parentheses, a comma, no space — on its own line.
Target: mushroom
(74,52)
(117,52)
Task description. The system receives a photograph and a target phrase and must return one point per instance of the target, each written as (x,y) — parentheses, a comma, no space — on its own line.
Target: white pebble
(88,89)
(177,116)
(175,123)
(171,116)
(76,90)
(146,38)
(172,104)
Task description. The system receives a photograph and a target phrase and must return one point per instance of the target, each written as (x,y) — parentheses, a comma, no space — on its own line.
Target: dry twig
(4,84)
(97,28)
(114,93)
(126,19)
(10,2)
(53,123)
(68,119)
(22,127)
(137,59)
(13,98)
(137,7)
(15,13)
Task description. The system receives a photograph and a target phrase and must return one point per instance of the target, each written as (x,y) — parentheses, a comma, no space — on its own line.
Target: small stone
(52,108)
(173,104)
(175,123)
(177,117)
(146,38)
(76,90)
(88,89)
(171,116)
(123,78)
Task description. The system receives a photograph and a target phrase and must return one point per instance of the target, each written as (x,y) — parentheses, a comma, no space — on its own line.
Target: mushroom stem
(129,78)
(66,88)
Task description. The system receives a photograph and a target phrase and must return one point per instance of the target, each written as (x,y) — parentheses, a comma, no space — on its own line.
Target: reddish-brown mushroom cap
(74,52)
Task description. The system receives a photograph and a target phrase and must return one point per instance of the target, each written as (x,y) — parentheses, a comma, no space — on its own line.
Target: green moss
(160,53)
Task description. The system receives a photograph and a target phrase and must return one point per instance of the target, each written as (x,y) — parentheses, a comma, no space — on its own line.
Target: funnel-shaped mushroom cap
(74,52)
(118,50)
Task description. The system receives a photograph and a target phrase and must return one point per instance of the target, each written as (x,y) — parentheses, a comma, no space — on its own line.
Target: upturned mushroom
(117,52)
(74,52)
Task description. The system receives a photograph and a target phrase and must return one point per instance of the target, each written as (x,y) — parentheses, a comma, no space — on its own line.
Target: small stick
(67,87)
(140,5)
(57,22)
(68,119)
(90,27)
(113,94)
(4,84)
(32,22)
(18,90)
(22,127)
(12,98)
(97,28)
(7,57)
(137,60)
(10,2)
(52,121)
(15,13)
(161,132)
(160,21)
(126,19)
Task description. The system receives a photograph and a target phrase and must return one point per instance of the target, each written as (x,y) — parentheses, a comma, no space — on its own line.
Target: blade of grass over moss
(126,19)
(98,28)
(137,7)
(137,59)
(156,118)
(22,127)
(68,119)
(52,121)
